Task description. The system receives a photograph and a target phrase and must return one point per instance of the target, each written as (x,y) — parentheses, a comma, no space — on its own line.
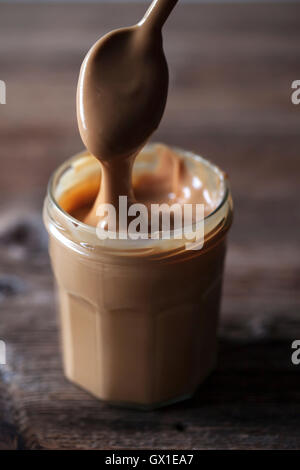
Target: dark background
(231,69)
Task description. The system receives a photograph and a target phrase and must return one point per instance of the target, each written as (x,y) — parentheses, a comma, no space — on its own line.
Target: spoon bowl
(122,92)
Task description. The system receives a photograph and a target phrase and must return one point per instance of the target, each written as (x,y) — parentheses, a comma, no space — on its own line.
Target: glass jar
(138,317)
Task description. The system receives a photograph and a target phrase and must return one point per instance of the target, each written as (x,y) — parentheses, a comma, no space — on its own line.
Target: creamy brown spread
(171,182)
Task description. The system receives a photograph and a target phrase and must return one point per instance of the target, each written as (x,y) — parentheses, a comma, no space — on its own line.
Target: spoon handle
(157,13)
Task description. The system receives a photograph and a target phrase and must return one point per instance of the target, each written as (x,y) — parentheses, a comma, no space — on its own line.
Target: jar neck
(85,239)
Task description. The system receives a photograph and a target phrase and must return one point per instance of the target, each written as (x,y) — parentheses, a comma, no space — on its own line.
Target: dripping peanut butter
(138,318)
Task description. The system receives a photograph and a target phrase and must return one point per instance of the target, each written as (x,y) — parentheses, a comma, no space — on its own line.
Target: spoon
(121,96)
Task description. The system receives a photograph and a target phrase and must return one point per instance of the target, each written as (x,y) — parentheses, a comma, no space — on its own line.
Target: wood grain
(231,68)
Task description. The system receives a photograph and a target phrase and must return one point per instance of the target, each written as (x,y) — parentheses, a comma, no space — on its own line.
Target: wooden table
(231,69)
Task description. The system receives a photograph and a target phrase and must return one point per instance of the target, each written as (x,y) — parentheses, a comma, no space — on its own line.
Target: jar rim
(58,172)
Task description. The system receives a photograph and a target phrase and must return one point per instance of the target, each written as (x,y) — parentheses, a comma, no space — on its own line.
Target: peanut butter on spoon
(121,96)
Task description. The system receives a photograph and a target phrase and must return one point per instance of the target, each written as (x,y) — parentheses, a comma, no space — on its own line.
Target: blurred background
(231,69)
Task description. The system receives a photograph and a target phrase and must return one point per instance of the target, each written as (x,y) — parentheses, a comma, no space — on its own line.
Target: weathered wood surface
(231,71)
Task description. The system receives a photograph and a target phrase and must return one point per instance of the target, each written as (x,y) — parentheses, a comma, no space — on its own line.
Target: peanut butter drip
(121,97)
